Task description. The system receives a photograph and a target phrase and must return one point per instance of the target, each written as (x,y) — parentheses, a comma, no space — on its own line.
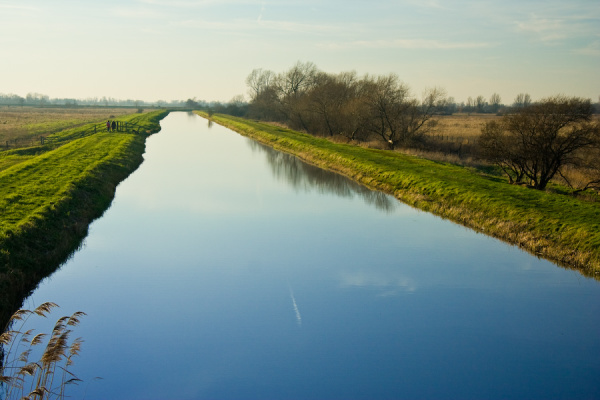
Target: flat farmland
(21,126)
(461,126)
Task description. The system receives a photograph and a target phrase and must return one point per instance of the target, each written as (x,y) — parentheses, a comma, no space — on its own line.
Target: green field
(559,227)
(49,194)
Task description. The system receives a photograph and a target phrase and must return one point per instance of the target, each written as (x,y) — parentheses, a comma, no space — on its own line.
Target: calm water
(225,270)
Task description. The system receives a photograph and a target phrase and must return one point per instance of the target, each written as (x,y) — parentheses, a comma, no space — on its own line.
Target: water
(225,270)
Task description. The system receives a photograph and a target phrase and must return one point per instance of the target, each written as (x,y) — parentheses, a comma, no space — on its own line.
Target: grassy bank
(27,124)
(49,197)
(558,227)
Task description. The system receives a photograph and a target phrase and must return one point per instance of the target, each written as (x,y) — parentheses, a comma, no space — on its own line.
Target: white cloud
(406,44)
(557,27)
(258,25)
(547,29)
(137,13)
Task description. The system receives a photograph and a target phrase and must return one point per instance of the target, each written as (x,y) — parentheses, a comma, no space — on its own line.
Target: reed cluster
(23,376)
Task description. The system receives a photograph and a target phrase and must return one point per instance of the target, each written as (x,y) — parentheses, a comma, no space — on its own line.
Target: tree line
(42,100)
(531,143)
(358,108)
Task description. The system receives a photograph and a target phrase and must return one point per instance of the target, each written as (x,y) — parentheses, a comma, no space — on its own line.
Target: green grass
(48,199)
(558,227)
(9,158)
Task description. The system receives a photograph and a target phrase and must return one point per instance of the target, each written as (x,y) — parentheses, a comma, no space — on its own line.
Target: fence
(120,126)
(453,139)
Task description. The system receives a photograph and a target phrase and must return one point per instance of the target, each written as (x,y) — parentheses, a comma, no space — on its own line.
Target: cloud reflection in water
(388,285)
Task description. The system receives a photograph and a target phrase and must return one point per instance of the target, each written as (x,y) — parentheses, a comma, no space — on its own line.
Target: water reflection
(386,283)
(304,177)
(270,284)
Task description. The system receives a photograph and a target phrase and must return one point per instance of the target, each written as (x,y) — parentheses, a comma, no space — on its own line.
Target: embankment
(48,202)
(558,227)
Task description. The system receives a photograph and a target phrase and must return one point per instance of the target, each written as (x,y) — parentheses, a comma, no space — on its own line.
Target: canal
(226,270)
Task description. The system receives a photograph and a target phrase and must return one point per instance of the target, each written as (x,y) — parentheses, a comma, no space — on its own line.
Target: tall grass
(32,370)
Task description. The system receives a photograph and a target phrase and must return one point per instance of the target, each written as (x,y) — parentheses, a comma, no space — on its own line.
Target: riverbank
(558,227)
(50,195)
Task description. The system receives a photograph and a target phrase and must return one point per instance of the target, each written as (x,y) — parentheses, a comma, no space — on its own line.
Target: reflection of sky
(211,277)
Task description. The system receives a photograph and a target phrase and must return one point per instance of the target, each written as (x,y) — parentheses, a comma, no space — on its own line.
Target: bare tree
(291,88)
(543,138)
(328,98)
(470,106)
(495,102)
(297,79)
(480,104)
(395,115)
(501,149)
(259,81)
(522,100)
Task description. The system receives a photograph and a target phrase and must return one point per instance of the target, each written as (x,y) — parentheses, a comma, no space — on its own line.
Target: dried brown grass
(46,378)
(465,126)
(20,123)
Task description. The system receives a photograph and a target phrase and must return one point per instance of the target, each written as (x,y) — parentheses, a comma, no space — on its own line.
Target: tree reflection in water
(305,177)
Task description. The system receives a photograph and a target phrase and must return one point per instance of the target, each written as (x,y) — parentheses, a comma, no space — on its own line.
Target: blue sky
(165,50)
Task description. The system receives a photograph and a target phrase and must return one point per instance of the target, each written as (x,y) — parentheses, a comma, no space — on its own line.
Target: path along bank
(48,201)
(558,227)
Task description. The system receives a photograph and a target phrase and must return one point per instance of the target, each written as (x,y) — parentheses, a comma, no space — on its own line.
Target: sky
(178,49)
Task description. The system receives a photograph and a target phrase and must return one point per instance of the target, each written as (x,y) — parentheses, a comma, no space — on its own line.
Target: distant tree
(470,105)
(449,107)
(480,104)
(258,82)
(192,103)
(237,106)
(522,100)
(542,138)
(495,102)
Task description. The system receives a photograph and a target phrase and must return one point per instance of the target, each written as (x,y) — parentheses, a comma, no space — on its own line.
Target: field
(562,228)
(461,126)
(22,126)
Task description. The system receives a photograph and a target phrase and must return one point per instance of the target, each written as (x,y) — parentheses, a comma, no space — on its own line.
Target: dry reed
(48,377)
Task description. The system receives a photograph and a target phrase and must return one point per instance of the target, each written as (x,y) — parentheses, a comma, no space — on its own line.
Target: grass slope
(48,200)
(558,227)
